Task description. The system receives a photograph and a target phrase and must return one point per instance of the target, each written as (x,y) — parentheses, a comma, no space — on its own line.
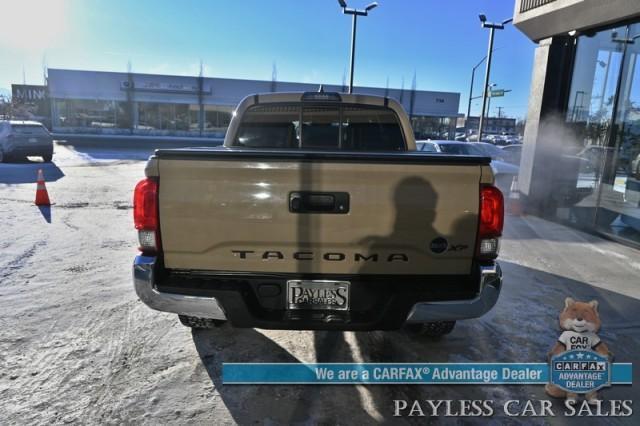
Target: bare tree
(412,95)
(200,100)
(45,69)
(402,90)
(129,121)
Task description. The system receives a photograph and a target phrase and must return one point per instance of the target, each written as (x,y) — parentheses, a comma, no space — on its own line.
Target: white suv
(19,139)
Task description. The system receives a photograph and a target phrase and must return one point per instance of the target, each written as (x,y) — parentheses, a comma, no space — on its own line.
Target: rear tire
(200,323)
(47,158)
(438,328)
(433,329)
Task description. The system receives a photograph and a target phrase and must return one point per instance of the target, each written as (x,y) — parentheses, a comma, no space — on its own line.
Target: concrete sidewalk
(554,248)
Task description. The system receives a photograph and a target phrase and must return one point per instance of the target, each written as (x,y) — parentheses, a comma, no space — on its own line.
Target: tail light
(491,221)
(145,215)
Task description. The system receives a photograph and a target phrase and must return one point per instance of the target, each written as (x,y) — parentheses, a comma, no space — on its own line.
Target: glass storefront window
(83,113)
(148,116)
(433,127)
(167,117)
(123,115)
(217,118)
(604,117)
(619,208)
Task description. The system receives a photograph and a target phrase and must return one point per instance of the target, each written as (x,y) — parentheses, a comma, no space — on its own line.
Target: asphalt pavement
(76,346)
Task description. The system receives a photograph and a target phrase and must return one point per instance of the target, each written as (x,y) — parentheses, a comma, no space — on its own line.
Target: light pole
(355,13)
(492,27)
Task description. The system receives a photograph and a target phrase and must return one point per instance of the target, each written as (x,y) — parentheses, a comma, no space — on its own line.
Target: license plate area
(318,295)
(33,140)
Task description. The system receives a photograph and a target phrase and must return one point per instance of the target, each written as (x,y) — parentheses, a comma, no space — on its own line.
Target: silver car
(503,171)
(19,139)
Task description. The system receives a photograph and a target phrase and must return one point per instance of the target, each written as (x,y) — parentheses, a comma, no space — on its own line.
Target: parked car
(503,171)
(318,225)
(19,139)
(423,146)
(635,167)
(512,153)
(594,154)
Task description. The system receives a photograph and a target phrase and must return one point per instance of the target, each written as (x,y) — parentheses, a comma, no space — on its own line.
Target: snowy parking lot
(77,346)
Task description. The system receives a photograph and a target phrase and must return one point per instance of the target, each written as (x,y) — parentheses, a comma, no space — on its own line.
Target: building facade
(492,126)
(92,102)
(581,153)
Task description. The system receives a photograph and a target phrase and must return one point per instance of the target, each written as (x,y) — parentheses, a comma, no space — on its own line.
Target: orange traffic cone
(514,204)
(42,196)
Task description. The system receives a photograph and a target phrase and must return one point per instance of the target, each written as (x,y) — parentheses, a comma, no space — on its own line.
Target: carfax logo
(580,371)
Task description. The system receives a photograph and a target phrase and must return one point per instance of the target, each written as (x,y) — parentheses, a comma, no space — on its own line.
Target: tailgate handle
(319,202)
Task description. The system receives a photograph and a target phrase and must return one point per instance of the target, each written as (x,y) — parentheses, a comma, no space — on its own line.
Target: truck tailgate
(406,213)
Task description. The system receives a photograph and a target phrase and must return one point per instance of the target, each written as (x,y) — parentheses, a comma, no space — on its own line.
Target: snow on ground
(76,346)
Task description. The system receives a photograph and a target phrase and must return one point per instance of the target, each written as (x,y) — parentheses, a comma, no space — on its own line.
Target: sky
(307,40)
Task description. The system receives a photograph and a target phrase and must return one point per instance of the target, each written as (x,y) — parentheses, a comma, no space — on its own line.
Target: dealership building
(581,154)
(113,103)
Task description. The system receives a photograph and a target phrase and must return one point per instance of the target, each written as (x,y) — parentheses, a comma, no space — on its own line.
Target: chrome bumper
(208,307)
(202,307)
(490,286)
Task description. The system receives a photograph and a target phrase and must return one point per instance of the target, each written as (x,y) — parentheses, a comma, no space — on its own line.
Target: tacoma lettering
(329,256)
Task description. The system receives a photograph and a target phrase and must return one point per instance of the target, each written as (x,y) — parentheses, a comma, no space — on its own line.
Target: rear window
(320,127)
(27,129)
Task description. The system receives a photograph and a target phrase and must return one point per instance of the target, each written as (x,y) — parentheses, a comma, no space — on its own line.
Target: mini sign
(28,92)
(580,371)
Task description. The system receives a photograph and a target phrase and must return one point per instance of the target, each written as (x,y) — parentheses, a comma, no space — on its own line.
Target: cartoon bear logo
(581,323)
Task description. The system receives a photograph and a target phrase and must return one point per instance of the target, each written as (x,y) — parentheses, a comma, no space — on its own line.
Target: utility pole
(492,27)
(500,111)
(354,13)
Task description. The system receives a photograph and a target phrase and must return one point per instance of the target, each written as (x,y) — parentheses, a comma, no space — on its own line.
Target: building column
(134,116)
(543,133)
(55,114)
(201,119)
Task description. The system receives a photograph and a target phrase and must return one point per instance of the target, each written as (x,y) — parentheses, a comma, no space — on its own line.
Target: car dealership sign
(162,87)
(28,93)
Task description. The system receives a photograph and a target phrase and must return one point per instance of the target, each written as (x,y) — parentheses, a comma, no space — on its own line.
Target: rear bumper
(490,287)
(232,298)
(143,281)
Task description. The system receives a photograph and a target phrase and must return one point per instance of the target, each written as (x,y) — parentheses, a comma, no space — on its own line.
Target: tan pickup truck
(318,213)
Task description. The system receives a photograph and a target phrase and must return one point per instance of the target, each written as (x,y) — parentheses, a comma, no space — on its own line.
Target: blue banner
(401,373)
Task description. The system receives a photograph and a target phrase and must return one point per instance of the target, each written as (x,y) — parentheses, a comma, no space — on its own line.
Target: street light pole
(353,51)
(355,13)
(492,27)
